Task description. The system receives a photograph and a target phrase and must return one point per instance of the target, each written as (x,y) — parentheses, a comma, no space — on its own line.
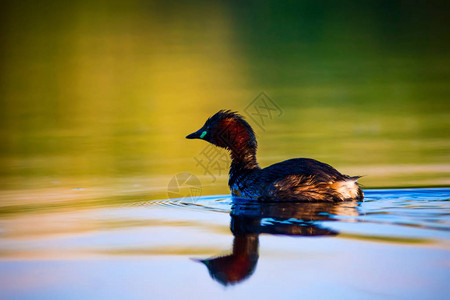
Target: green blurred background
(97,96)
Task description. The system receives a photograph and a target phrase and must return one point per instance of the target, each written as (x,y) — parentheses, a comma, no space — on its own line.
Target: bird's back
(299,179)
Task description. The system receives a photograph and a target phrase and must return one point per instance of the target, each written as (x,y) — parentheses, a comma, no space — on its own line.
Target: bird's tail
(349,188)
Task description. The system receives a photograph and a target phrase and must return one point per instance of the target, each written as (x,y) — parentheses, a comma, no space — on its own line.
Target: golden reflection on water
(97,99)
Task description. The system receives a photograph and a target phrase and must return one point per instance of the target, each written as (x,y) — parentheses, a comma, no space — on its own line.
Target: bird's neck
(244,158)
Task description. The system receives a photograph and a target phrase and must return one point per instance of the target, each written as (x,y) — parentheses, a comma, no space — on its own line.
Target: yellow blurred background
(97,97)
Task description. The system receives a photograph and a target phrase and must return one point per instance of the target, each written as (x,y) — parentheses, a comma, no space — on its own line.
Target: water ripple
(216,203)
(417,208)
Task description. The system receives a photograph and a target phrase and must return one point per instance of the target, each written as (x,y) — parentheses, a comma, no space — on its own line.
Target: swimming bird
(298,179)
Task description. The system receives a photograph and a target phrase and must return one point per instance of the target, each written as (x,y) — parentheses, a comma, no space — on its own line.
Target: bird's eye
(203,134)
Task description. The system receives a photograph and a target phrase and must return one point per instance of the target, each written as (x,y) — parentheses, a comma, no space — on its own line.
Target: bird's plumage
(298,179)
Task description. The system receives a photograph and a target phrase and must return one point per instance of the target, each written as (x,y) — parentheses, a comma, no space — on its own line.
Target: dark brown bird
(298,179)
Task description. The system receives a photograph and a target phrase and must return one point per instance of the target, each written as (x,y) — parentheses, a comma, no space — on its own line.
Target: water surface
(395,244)
(96,98)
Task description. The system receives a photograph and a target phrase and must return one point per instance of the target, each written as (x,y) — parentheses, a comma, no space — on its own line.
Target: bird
(292,180)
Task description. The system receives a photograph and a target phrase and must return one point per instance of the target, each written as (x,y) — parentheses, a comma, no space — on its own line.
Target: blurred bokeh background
(97,96)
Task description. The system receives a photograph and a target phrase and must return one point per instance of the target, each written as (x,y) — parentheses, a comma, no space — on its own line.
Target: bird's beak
(195,135)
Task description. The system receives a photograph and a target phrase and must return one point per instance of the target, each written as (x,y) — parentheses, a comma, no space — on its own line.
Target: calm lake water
(96,98)
(394,245)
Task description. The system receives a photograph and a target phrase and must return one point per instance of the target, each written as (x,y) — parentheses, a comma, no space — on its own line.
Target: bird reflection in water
(249,220)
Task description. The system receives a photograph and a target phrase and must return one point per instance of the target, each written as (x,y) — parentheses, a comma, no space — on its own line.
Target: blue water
(394,245)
